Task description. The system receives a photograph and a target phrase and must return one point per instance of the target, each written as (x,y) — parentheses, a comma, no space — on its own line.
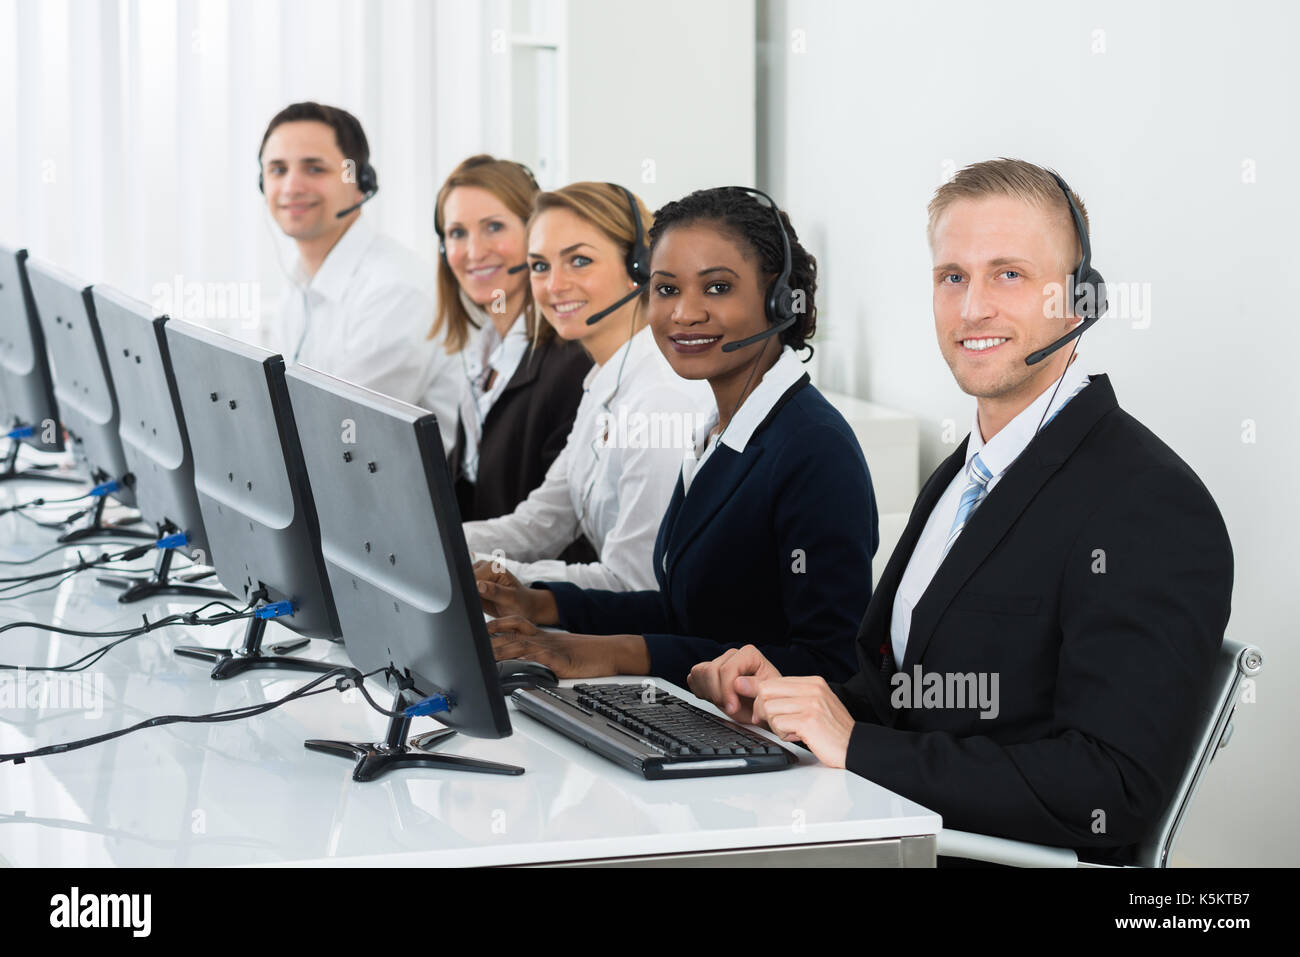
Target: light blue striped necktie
(979,477)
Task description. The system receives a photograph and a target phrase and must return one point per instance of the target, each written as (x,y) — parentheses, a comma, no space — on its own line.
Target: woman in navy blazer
(770,532)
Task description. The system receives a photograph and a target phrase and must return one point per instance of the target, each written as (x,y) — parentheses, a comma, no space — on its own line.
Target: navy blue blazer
(771,547)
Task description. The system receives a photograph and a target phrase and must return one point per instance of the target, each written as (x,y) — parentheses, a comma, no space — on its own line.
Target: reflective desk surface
(247,792)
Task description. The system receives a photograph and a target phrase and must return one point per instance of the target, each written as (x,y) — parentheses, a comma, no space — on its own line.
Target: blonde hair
(514,186)
(605,206)
(1009,177)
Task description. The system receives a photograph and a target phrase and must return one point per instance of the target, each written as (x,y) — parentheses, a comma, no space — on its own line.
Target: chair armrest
(1001,850)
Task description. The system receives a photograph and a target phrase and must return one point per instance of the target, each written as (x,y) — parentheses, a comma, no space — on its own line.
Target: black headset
(1089,286)
(778,305)
(367,178)
(442,239)
(637,259)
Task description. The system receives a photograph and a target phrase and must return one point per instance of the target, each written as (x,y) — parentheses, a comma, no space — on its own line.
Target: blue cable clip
(173,541)
(277,609)
(108,488)
(22,432)
(430,705)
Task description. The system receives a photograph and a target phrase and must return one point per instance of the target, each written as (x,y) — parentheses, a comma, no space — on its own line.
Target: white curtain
(129,129)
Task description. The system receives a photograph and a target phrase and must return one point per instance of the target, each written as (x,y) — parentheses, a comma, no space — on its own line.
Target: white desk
(248,793)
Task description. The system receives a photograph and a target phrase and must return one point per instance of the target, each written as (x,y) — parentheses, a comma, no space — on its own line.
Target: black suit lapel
(1042,458)
(714,482)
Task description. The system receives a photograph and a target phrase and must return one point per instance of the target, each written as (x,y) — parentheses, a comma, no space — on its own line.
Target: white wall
(662,96)
(865,106)
(129,129)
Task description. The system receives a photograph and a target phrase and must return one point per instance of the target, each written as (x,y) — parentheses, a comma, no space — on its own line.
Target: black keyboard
(654,733)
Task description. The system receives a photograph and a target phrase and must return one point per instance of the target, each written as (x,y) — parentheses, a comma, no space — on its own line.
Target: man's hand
(569,656)
(502,594)
(803,709)
(718,681)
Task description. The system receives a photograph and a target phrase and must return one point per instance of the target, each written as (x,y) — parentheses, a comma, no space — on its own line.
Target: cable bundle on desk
(344,678)
(91,657)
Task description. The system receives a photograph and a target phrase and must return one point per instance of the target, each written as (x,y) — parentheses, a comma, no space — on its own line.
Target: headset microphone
(1089,292)
(354,207)
(637,260)
(779,303)
(514,269)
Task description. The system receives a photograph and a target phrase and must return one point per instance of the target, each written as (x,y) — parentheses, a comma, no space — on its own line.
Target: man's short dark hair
(348,134)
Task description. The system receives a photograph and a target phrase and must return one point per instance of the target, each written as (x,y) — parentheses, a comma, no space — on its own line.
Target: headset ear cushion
(638,264)
(261,187)
(780,307)
(1090,294)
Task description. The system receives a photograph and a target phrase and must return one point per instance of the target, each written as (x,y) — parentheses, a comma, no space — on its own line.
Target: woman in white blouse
(587,260)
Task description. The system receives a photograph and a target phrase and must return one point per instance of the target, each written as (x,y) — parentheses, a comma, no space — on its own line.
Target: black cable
(34,521)
(371,701)
(36,502)
(94,655)
(64,547)
(345,679)
(126,555)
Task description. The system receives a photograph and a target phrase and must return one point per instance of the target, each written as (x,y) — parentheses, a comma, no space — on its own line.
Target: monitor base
(394,752)
(249,657)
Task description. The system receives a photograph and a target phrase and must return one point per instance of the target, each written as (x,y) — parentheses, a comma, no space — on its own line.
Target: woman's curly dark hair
(749,221)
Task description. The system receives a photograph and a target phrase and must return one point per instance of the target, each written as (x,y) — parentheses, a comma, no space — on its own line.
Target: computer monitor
(28,411)
(154,439)
(82,385)
(253,492)
(398,566)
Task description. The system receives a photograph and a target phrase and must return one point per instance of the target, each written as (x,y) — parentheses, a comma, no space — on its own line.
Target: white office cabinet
(890,441)
(658,97)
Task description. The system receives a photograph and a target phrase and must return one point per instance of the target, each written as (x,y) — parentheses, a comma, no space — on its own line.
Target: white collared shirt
(365,317)
(784,373)
(997,455)
(486,353)
(612,481)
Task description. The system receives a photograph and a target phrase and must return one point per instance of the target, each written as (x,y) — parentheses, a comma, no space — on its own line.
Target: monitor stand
(9,468)
(394,752)
(95,526)
(139,587)
(247,657)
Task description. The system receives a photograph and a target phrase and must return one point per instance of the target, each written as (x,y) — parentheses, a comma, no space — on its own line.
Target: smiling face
(484,239)
(704,292)
(577,271)
(302,176)
(996,259)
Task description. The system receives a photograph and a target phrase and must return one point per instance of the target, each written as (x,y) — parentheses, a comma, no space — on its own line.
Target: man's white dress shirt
(997,455)
(365,317)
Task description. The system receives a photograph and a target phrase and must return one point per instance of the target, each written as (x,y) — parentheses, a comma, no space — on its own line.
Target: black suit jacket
(1095,581)
(523,433)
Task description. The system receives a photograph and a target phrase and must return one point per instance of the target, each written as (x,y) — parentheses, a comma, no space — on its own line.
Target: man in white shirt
(361,305)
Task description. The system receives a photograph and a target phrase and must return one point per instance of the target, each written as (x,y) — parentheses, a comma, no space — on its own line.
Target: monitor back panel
(394,546)
(87,402)
(151,425)
(249,476)
(26,389)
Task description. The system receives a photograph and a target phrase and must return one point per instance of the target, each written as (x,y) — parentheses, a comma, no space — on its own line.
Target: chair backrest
(1236,662)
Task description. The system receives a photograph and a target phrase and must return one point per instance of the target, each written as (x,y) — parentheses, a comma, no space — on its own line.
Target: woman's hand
(569,656)
(502,594)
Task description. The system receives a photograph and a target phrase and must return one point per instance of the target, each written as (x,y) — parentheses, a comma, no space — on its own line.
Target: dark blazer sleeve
(825,529)
(595,611)
(1138,645)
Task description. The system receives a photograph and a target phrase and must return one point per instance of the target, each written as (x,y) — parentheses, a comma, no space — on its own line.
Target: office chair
(1235,662)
